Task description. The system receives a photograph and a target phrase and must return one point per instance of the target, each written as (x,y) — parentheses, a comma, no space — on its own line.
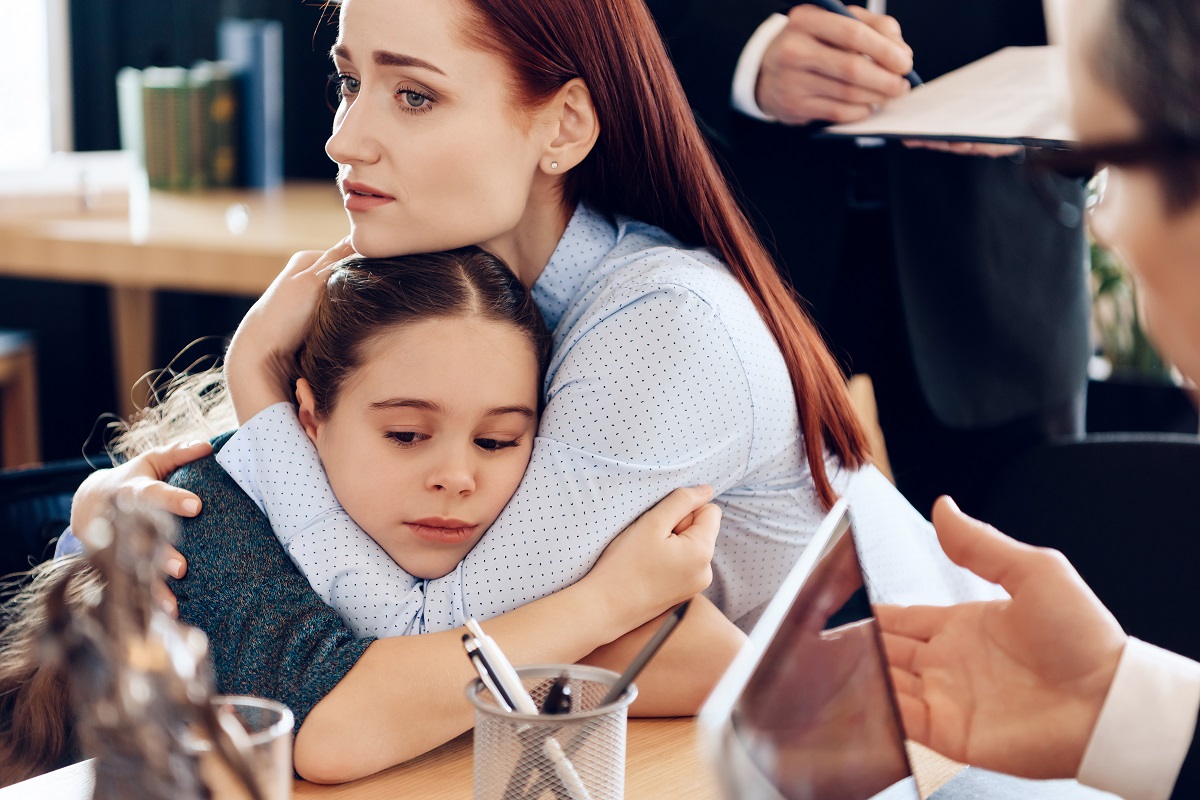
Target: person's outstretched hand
(824,66)
(1010,685)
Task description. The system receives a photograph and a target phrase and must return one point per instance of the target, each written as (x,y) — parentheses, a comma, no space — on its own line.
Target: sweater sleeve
(269,633)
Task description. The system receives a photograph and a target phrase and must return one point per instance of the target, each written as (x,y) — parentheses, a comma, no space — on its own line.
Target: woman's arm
(258,368)
(363,705)
(405,695)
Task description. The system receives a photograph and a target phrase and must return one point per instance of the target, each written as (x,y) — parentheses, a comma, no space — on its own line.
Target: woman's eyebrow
(385,58)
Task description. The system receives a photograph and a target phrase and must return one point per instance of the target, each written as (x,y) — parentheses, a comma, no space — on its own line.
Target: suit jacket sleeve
(705,39)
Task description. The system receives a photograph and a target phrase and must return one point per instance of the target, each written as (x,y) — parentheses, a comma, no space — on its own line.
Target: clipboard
(1017,95)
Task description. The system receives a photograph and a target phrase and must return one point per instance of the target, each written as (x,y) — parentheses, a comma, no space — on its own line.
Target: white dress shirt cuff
(1145,726)
(745,75)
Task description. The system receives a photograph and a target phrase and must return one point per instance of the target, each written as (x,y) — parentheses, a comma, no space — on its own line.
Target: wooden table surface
(230,242)
(663,762)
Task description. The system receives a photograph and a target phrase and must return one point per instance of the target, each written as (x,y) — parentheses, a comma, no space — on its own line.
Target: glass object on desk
(262,731)
(140,682)
(574,756)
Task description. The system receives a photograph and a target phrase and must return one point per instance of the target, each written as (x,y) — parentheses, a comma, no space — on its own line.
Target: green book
(166,127)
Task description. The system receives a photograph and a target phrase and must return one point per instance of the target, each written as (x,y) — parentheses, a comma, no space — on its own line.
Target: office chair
(1125,509)
(35,508)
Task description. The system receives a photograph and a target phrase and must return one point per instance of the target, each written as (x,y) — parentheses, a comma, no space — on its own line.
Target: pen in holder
(579,755)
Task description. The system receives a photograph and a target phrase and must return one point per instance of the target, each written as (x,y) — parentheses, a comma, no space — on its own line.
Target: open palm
(1012,685)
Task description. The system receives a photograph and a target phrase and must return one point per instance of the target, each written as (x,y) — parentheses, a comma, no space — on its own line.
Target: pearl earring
(553,165)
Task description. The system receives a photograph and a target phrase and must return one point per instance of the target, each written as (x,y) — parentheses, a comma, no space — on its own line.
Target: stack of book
(181,124)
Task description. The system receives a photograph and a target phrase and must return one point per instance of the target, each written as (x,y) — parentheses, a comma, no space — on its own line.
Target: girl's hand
(258,364)
(662,559)
(140,480)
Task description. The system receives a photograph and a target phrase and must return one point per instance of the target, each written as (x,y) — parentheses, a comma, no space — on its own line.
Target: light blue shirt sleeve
(274,462)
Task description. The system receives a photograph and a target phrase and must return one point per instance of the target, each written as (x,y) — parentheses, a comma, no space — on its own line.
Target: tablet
(807,710)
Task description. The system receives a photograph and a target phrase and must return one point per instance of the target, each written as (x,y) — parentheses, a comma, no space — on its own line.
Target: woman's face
(430,438)
(433,152)
(1162,247)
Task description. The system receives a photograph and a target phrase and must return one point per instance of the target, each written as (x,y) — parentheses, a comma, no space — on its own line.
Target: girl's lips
(449,532)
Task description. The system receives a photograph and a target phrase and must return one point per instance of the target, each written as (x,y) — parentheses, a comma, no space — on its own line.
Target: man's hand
(1011,685)
(824,66)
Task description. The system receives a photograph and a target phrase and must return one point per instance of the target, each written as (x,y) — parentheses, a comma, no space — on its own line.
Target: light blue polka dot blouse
(663,375)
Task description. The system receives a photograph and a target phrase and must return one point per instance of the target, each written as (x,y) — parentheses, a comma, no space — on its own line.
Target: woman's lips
(361,197)
(442,531)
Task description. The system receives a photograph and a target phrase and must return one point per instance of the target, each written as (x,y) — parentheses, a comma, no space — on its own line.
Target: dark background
(71,321)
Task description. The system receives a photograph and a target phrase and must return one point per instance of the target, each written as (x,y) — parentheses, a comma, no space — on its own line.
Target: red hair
(647,130)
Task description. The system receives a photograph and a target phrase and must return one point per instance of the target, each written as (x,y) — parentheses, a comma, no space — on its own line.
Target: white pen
(505,674)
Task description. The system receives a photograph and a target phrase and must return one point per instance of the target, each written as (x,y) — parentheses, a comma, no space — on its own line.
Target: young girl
(418,387)
(418,391)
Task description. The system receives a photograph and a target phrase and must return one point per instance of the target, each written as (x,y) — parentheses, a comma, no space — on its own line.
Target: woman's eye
(414,100)
(406,438)
(495,444)
(344,84)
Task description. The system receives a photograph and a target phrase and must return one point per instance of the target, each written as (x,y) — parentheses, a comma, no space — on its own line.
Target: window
(35,95)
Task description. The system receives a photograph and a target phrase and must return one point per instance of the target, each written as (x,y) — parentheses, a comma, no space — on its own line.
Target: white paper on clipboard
(1013,96)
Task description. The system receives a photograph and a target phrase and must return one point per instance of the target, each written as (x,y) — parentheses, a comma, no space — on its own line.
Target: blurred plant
(1115,322)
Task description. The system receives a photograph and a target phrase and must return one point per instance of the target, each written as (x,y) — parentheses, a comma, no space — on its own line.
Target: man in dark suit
(941,275)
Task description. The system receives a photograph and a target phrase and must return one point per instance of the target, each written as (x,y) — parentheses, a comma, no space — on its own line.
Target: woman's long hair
(647,130)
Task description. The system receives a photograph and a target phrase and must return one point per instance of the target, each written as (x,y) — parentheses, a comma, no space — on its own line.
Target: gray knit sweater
(269,633)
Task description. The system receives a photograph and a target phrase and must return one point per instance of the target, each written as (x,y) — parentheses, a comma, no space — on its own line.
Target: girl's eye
(406,438)
(414,101)
(496,444)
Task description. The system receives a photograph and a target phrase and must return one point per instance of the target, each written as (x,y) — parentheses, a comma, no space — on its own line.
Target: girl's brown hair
(648,131)
(36,732)
(367,296)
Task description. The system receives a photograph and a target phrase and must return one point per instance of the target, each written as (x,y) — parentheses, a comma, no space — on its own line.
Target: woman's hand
(140,480)
(662,559)
(258,364)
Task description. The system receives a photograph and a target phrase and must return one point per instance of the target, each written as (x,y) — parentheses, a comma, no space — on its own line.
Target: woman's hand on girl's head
(258,364)
(663,558)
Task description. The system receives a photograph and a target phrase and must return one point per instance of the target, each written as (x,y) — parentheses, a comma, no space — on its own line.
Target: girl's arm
(683,673)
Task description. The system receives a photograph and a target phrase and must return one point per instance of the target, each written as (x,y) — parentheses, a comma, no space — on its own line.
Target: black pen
(647,653)
(836,7)
(486,673)
(558,696)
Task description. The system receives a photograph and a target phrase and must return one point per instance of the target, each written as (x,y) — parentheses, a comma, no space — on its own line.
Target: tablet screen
(817,716)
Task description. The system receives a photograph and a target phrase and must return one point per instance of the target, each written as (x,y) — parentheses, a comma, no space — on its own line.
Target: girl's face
(429,439)
(1162,247)
(433,153)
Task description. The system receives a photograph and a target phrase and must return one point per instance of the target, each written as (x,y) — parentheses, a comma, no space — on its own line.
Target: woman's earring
(553,165)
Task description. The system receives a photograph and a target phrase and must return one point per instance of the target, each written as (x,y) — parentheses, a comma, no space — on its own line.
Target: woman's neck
(527,247)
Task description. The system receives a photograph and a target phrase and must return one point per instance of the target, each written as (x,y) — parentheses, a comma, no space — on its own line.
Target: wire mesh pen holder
(575,756)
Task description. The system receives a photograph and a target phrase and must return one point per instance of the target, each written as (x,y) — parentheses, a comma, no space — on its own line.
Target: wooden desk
(223,242)
(662,761)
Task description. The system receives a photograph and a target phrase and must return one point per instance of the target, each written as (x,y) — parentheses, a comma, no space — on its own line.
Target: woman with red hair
(554,134)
